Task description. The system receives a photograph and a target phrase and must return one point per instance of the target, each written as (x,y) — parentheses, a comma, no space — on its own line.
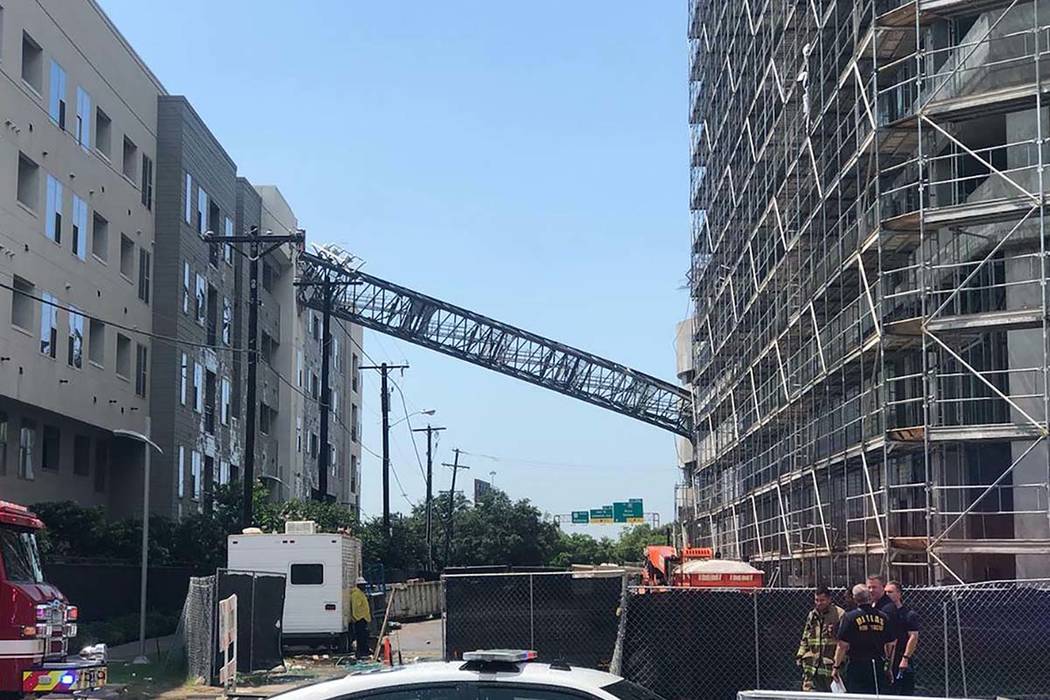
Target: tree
(630,546)
(577,548)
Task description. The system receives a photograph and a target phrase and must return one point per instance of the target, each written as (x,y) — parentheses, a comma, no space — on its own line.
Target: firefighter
(360,617)
(816,651)
(864,635)
(907,632)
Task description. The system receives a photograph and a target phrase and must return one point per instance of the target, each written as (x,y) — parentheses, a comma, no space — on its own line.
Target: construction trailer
(869,349)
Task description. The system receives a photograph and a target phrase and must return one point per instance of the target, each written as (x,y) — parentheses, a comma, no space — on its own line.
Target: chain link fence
(196,630)
(982,640)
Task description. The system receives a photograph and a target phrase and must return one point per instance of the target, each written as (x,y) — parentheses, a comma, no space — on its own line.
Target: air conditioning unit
(300,527)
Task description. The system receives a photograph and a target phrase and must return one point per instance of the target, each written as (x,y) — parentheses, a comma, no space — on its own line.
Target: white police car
(498,674)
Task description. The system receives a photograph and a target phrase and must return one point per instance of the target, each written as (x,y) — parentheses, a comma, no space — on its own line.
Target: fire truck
(696,567)
(36,621)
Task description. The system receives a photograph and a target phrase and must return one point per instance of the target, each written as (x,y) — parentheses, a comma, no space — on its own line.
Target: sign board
(631,511)
(481,489)
(581,517)
(228,640)
(602,516)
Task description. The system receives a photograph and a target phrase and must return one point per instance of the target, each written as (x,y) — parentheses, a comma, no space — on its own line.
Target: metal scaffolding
(870,348)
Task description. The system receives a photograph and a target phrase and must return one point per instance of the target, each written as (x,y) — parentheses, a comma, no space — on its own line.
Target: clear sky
(525,160)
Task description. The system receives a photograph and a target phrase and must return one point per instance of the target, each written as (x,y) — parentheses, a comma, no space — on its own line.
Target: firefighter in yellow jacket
(816,651)
(360,617)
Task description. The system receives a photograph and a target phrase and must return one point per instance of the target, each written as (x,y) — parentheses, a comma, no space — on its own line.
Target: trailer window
(307,574)
(21,560)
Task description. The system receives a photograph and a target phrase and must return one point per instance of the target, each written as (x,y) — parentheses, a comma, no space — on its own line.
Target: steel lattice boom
(394,310)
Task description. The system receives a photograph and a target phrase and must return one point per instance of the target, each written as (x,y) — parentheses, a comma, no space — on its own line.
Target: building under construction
(869,350)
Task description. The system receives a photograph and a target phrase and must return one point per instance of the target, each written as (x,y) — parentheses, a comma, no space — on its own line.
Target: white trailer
(319,569)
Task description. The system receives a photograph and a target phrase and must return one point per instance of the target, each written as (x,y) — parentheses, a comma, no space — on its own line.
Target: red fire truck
(36,621)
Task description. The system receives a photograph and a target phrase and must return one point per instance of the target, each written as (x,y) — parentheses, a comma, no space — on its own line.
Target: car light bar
(505,655)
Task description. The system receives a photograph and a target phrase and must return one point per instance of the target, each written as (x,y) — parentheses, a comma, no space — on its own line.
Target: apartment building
(870,346)
(293,376)
(120,320)
(77,199)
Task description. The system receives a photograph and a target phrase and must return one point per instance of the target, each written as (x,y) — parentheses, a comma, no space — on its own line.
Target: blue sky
(525,160)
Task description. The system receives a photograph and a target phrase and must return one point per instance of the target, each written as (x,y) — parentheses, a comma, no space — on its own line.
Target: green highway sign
(581,517)
(602,516)
(629,511)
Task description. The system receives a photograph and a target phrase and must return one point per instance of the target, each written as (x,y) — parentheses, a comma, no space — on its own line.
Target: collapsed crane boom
(394,310)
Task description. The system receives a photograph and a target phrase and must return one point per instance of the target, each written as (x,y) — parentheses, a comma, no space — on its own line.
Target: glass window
(307,574)
(227,320)
(26,442)
(100,237)
(417,692)
(353,473)
(224,472)
(141,369)
(53,220)
(183,369)
(82,128)
(145,265)
(75,344)
(506,691)
(127,257)
(224,408)
(147,181)
(21,559)
(185,287)
(103,131)
(131,157)
(188,200)
(32,63)
(81,455)
(123,356)
(227,252)
(48,325)
(195,475)
(181,476)
(80,228)
(198,388)
(50,448)
(202,209)
(202,299)
(57,104)
(28,179)
(97,342)
(23,309)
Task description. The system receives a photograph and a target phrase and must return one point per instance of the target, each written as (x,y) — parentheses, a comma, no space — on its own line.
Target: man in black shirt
(863,636)
(907,632)
(882,602)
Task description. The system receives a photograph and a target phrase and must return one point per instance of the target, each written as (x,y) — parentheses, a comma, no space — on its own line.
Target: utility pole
(384,371)
(455,466)
(429,430)
(253,240)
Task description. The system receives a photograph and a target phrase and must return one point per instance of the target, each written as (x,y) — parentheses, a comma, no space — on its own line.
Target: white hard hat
(360,581)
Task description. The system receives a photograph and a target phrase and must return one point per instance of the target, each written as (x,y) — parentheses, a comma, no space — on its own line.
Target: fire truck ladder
(394,310)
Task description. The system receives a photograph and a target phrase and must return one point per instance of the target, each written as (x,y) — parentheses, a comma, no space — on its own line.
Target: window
(224,472)
(131,158)
(335,352)
(81,455)
(224,406)
(141,369)
(53,220)
(202,299)
(195,475)
(267,276)
(315,384)
(147,182)
(353,473)
(123,356)
(353,422)
(202,209)
(144,275)
(99,237)
(267,348)
(127,256)
(80,229)
(424,692)
(209,475)
(213,220)
(227,320)
(32,63)
(82,127)
(299,367)
(75,344)
(314,445)
(101,464)
(198,388)
(22,304)
(57,104)
(354,362)
(298,434)
(628,690)
(20,557)
(26,440)
(180,476)
(227,251)
(103,133)
(3,426)
(49,448)
(188,201)
(315,326)
(333,401)
(213,314)
(209,403)
(183,371)
(333,459)
(507,691)
(185,287)
(48,325)
(307,574)
(28,177)
(97,342)
(264,419)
